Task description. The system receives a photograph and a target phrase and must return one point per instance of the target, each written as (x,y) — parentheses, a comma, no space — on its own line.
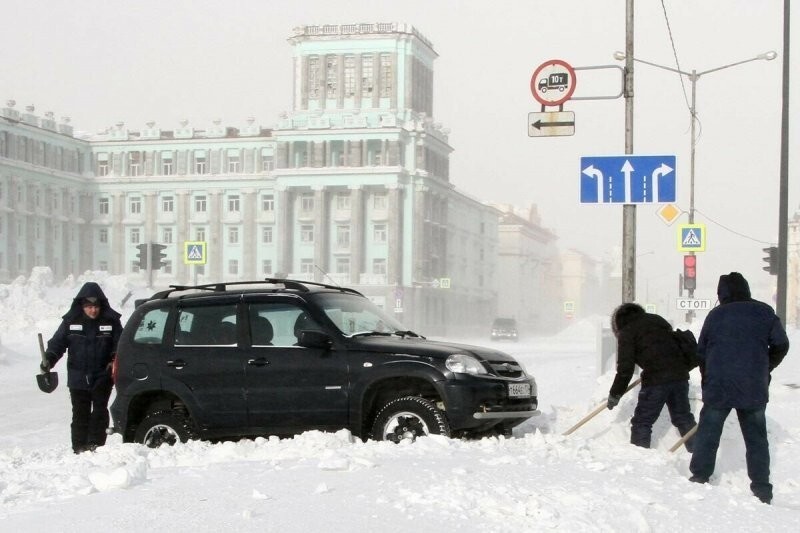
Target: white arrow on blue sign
(628,179)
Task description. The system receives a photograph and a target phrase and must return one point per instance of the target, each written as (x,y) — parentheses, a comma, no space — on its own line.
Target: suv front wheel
(164,427)
(408,418)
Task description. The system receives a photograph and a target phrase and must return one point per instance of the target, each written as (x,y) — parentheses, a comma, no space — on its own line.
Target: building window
(386,75)
(266,267)
(266,235)
(167,267)
(349,76)
(135,236)
(168,204)
(102,236)
(200,234)
(103,266)
(102,206)
(233,267)
(343,202)
(379,202)
(233,203)
(331,76)
(166,165)
(200,164)
(379,266)
(136,205)
(267,202)
(306,266)
(166,236)
(134,163)
(200,204)
(379,233)
(366,75)
(343,236)
(307,202)
(342,265)
(267,163)
(233,164)
(233,235)
(314,81)
(102,168)
(307,233)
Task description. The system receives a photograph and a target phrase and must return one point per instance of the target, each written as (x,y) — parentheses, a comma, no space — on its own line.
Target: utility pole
(628,210)
(783,209)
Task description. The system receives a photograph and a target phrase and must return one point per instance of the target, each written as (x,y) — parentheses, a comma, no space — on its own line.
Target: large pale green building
(351,187)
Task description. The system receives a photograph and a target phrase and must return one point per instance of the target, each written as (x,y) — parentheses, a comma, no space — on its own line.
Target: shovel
(598,410)
(47,381)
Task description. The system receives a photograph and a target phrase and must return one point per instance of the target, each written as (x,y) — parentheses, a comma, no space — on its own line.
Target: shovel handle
(41,348)
(598,410)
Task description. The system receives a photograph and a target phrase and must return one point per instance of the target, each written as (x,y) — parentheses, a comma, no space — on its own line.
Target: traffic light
(141,256)
(771,260)
(159,256)
(690,272)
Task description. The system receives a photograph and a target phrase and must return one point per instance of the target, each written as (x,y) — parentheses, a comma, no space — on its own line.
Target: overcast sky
(101,62)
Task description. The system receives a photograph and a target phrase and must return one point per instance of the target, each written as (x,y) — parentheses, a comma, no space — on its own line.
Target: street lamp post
(693,76)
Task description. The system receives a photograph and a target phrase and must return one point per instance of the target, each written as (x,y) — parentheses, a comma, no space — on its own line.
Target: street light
(693,77)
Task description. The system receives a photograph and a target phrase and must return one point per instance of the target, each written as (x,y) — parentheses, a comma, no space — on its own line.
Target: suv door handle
(177,363)
(261,361)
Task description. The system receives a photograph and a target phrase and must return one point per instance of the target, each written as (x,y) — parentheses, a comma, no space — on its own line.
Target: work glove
(612,401)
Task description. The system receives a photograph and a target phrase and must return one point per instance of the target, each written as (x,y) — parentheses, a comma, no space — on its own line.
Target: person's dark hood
(90,289)
(624,315)
(733,288)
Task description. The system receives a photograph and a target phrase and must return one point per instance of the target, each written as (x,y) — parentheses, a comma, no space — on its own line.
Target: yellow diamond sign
(669,213)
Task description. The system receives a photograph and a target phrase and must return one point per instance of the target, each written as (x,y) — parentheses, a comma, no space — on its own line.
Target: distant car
(505,329)
(279,357)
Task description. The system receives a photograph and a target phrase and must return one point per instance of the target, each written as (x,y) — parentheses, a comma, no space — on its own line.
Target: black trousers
(673,394)
(90,415)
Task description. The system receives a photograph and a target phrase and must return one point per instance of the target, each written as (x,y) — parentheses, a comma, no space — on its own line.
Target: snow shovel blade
(48,381)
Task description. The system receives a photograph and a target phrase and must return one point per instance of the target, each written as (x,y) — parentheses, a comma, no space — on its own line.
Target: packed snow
(537,480)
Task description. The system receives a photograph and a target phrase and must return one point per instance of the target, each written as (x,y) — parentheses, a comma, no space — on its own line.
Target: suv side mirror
(314,339)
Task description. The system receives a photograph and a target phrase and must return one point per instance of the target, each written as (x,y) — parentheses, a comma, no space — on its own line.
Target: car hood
(426,347)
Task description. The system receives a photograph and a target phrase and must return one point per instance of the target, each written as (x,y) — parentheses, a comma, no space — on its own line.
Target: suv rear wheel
(408,418)
(164,427)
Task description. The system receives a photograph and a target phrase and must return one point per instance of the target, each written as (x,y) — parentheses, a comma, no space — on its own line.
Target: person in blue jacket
(740,344)
(89,333)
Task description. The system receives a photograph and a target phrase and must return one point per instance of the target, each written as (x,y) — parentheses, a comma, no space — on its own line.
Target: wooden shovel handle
(598,410)
(41,348)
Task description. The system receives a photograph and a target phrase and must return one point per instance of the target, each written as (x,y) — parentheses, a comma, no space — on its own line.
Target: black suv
(278,357)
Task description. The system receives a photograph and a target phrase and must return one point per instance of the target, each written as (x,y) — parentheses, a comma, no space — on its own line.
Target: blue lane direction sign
(628,179)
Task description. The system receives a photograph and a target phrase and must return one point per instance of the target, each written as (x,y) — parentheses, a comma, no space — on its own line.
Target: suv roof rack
(298,285)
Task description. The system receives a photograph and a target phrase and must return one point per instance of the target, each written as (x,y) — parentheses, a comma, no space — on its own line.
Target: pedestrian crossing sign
(195,252)
(692,238)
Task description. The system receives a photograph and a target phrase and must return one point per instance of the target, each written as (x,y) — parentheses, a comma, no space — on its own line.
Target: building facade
(351,187)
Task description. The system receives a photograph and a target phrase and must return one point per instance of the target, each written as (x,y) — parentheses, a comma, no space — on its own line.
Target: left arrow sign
(551,124)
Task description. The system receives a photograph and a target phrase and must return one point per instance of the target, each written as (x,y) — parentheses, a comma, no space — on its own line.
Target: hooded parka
(90,344)
(741,342)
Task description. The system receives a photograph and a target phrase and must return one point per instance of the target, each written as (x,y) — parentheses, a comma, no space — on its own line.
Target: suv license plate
(519,390)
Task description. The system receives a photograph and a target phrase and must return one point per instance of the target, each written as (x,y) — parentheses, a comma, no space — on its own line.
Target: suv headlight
(464,364)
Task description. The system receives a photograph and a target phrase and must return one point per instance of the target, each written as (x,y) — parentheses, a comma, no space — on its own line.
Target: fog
(105,62)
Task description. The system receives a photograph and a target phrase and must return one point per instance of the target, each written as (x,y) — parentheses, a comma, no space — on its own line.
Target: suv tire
(164,427)
(407,418)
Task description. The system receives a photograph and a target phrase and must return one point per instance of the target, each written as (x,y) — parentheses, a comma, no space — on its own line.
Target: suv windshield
(356,315)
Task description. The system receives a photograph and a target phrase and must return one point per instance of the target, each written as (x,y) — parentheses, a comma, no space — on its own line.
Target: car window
(285,319)
(356,315)
(151,328)
(208,325)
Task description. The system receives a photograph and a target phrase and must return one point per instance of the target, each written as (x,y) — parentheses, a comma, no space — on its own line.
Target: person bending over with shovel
(647,340)
(89,333)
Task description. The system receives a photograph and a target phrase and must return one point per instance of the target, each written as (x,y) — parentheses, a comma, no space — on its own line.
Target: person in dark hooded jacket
(740,344)
(646,339)
(88,333)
